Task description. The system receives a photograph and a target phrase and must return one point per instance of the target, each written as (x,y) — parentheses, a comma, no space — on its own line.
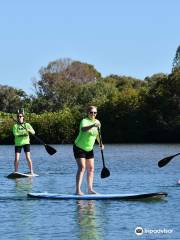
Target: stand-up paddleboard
(140,196)
(21,175)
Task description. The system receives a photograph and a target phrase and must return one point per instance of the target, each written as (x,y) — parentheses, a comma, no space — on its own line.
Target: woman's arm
(98,140)
(30,128)
(86,128)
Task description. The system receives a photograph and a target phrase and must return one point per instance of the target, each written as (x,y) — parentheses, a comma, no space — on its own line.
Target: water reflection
(23,185)
(89,226)
(23,208)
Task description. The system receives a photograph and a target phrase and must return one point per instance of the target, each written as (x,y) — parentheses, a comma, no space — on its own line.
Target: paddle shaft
(37,138)
(103,158)
(100,140)
(175,155)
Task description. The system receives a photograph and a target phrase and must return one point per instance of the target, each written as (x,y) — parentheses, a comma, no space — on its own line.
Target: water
(133,169)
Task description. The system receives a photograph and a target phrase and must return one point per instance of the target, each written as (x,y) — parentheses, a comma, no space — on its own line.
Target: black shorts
(26,148)
(80,153)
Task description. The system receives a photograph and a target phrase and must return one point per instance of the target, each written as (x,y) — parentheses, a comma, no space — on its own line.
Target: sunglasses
(93,112)
(20,116)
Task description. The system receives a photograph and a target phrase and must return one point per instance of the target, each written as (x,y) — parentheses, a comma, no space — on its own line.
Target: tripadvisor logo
(139,231)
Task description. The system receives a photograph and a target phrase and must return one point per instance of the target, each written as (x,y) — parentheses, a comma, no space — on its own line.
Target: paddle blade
(165,161)
(50,149)
(105,173)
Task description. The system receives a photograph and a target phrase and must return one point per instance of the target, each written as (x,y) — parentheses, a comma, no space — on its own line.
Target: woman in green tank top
(83,149)
(21,132)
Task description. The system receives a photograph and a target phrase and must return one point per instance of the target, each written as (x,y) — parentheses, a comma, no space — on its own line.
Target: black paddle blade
(105,172)
(50,149)
(165,161)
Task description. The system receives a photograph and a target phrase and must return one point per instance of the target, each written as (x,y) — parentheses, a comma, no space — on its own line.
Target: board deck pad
(15,175)
(139,196)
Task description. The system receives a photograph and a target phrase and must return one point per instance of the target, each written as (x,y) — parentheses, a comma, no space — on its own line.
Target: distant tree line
(130,109)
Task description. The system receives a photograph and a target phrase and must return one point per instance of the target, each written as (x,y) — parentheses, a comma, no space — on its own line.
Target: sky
(136,38)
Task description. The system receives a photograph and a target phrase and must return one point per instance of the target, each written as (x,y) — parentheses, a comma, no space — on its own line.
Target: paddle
(105,172)
(48,148)
(166,160)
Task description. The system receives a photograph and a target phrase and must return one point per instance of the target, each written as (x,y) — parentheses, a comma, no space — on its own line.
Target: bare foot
(79,193)
(92,192)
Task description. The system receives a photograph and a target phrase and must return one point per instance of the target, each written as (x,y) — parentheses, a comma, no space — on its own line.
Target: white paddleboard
(140,196)
(21,175)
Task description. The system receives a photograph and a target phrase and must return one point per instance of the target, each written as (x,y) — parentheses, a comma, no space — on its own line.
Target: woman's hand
(101,147)
(97,124)
(31,131)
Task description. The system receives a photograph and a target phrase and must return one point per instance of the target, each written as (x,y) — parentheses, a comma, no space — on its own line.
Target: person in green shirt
(83,149)
(21,132)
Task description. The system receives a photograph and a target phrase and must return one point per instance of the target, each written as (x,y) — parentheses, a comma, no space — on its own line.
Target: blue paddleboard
(140,196)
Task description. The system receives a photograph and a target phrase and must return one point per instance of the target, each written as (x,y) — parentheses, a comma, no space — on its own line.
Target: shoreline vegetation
(130,110)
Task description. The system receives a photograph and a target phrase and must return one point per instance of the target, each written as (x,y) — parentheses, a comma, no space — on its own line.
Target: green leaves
(130,109)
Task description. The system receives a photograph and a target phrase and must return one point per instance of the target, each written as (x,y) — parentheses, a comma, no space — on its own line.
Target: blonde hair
(90,108)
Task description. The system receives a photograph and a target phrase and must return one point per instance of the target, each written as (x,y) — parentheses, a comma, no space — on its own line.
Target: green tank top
(85,140)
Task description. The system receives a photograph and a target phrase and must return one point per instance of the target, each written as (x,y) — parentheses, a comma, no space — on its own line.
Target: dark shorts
(80,153)
(26,148)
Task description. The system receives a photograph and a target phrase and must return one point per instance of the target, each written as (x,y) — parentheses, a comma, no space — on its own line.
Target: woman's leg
(81,164)
(16,161)
(90,174)
(28,158)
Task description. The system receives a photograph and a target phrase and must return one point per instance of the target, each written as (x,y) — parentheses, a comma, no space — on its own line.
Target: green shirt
(21,135)
(86,139)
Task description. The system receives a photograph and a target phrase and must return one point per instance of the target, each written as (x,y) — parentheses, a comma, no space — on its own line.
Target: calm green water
(133,169)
